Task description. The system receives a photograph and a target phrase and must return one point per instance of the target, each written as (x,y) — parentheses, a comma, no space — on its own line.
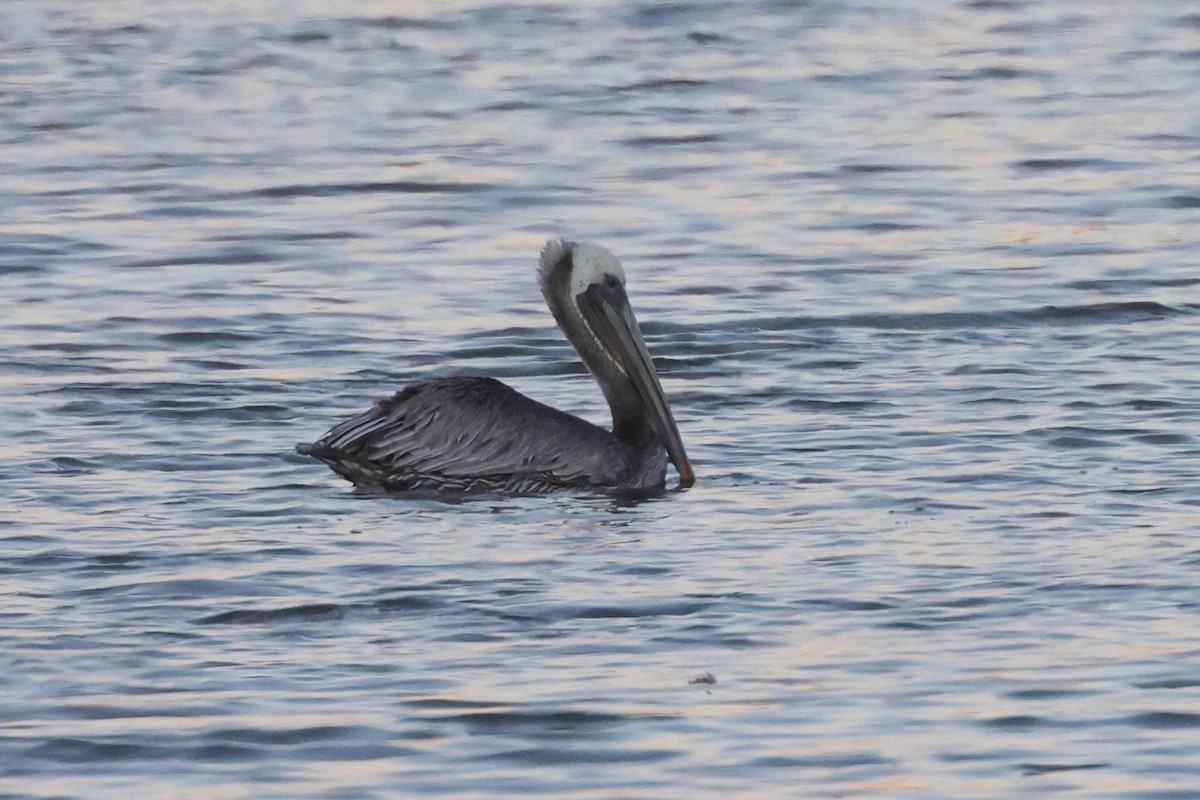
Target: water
(922,286)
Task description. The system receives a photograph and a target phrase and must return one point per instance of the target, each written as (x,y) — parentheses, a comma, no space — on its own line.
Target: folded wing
(469,434)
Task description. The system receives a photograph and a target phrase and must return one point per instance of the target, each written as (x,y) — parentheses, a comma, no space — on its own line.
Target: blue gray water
(923,287)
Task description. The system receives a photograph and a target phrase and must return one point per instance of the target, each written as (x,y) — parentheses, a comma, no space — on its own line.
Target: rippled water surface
(921,282)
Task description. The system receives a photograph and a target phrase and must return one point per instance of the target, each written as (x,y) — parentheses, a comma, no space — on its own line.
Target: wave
(1113,313)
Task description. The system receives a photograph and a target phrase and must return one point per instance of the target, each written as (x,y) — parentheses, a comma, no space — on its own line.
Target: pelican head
(584,285)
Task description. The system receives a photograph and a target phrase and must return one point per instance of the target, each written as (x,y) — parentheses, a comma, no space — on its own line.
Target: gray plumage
(464,435)
(467,435)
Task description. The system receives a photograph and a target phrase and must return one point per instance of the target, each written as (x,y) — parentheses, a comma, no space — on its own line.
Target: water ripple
(920,282)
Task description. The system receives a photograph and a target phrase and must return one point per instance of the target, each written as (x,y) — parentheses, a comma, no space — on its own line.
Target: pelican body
(464,434)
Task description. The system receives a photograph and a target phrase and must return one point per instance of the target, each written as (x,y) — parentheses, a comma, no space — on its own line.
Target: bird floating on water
(464,434)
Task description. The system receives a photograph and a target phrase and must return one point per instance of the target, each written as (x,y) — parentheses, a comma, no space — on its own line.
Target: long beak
(611,317)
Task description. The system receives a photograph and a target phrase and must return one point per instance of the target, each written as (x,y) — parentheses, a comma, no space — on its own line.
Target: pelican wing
(469,433)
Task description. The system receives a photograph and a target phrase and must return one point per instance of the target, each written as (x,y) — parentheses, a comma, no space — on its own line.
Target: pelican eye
(611,282)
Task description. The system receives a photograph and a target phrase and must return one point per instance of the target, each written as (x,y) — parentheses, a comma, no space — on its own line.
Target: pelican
(464,434)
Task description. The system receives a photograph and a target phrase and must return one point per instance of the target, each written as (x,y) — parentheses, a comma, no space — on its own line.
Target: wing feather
(459,432)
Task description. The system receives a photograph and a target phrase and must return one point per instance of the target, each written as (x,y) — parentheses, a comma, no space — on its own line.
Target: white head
(589,264)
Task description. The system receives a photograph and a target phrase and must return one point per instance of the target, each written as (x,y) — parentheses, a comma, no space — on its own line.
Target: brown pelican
(460,435)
